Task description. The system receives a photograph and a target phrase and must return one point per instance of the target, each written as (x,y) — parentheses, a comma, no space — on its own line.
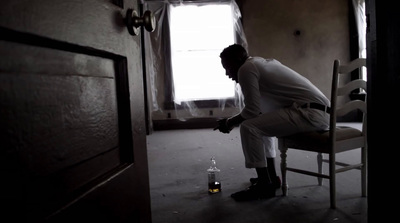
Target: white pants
(258,135)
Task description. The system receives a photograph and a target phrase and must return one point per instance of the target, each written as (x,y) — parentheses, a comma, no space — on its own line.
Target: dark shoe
(276,182)
(255,192)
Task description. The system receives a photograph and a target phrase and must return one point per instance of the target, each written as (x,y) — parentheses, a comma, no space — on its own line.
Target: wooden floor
(178,160)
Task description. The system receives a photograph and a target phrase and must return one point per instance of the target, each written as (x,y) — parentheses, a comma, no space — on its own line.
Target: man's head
(232,58)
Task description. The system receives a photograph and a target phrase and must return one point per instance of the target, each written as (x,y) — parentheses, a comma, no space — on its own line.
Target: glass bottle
(214,185)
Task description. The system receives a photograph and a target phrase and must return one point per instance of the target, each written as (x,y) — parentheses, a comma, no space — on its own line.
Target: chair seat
(318,141)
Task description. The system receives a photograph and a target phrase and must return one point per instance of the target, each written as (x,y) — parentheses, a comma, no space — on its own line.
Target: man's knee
(245,126)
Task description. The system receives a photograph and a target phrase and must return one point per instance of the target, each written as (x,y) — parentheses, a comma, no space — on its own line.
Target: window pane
(198,35)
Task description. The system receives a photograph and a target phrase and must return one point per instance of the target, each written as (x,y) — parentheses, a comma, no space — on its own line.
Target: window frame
(169,103)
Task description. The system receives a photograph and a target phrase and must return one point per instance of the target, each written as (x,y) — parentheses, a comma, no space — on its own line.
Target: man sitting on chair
(278,101)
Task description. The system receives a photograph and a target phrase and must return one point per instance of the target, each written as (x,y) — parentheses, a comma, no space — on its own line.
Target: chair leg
(364,171)
(319,161)
(283,155)
(332,179)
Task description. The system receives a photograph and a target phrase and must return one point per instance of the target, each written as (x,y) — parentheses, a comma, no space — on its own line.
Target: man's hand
(222,126)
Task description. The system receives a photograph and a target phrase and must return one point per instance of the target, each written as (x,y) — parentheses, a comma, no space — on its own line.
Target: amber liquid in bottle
(214,187)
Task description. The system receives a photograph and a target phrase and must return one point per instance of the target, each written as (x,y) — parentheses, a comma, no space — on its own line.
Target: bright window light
(198,35)
(364,50)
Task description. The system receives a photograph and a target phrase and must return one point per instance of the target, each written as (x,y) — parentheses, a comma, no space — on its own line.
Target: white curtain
(359,11)
(158,66)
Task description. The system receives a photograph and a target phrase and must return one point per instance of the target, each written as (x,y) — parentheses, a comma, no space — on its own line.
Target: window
(198,35)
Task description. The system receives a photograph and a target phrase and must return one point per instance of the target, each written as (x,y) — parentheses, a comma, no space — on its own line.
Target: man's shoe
(255,192)
(277,182)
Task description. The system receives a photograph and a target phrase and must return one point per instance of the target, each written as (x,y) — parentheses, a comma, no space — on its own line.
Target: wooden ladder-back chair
(338,138)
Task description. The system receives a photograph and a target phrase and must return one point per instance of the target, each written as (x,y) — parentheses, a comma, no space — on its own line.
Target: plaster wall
(306,35)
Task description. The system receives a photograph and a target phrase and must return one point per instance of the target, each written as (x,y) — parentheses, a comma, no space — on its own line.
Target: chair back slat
(353,85)
(351,106)
(360,62)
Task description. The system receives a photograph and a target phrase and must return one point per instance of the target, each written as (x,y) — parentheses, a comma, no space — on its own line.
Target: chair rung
(347,166)
(350,167)
(307,172)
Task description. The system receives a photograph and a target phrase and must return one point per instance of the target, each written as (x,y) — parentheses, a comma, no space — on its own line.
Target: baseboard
(194,123)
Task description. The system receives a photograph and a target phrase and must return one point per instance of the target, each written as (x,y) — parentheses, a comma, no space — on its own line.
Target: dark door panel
(68,136)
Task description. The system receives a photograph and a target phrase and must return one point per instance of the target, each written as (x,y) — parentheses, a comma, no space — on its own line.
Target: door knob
(133,21)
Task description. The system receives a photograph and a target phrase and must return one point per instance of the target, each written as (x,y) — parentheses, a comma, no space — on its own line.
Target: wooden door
(383,56)
(73,137)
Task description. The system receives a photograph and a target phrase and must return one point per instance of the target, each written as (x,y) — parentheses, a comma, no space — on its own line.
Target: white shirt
(267,84)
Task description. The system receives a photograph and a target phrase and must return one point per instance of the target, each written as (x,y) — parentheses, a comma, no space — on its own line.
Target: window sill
(199,104)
